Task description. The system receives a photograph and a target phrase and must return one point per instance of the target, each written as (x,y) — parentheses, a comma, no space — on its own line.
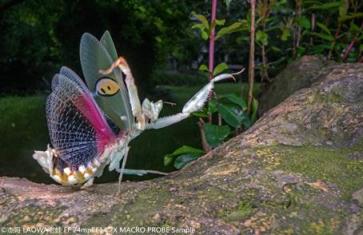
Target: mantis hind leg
(121,170)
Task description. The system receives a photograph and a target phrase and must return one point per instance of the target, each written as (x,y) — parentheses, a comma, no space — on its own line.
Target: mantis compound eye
(106,86)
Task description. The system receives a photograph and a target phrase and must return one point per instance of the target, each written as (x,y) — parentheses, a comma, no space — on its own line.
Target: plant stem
(350,46)
(332,47)
(211,46)
(212,39)
(313,23)
(264,69)
(297,31)
(251,64)
(205,144)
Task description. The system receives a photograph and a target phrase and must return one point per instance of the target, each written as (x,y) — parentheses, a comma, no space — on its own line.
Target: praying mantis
(91,124)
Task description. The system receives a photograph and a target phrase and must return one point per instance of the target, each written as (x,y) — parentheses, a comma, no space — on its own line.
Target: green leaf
(216,134)
(351,17)
(343,8)
(168,159)
(285,34)
(262,38)
(204,35)
(220,22)
(220,68)
(254,110)
(203,30)
(354,29)
(324,28)
(183,160)
(201,113)
(188,149)
(326,6)
(234,99)
(235,27)
(198,26)
(202,19)
(228,115)
(203,68)
(212,106)
(323,36)
(185,149)
(303,22)
(246,121)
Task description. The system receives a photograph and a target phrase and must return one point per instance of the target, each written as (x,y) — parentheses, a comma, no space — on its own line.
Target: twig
(205,144)
(211,47)
(169,103)
(350,46)
(251,65)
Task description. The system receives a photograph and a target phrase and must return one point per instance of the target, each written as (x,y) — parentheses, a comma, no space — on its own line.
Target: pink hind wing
(78,129)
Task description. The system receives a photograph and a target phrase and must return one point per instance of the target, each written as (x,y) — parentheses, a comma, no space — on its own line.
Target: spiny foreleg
(194,104)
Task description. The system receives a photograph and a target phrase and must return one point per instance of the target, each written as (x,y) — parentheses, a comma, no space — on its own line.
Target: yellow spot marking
(107,87)
(89,171)
(63,177)
(79,176)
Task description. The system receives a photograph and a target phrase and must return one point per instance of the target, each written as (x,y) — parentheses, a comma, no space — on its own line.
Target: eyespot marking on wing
(106,86)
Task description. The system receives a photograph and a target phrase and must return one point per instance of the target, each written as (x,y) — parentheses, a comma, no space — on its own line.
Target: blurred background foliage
(38,36)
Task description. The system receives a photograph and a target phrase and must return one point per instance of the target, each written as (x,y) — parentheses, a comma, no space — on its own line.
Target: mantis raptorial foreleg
(194,104)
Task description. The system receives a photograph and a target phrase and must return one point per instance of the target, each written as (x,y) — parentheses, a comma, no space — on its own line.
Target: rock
(358,195)
(297,75)
(294,172)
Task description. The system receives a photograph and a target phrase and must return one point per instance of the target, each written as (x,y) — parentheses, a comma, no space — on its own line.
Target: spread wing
(77,128)
(109,90)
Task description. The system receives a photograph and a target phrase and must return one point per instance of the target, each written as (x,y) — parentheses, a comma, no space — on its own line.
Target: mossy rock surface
(298,170)
(301,73)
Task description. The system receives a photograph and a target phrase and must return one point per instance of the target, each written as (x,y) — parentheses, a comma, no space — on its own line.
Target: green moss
(138,212)
(320,228)
(332,97)
(325,163)
(242,211)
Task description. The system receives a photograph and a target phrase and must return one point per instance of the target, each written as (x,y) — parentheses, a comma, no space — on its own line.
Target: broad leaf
(343,8)
(203,68)
(198,26)
(303,22)
(325,37)
(326,6)
(202,19)
(234,99)
(351,16)
(203,30)
(229,115)
(184,159)
(235,27)
(262,38)
(169,158)
(212,106)
(285,34)
(220,22)
(216,134)
(204,35)
(220,68)
(246,121)
(201,113)
(324,28)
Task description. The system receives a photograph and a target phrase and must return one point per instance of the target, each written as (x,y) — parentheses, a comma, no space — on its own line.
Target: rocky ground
(298,170)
